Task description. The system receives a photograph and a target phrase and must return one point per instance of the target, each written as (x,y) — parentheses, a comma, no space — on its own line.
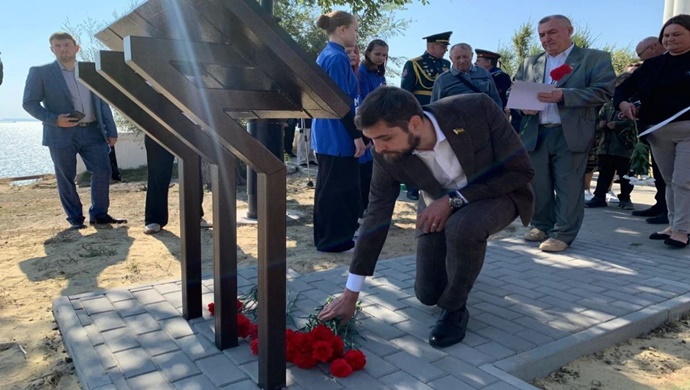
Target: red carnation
(558,73)
(254,331)
(340,368)
(321,332)
(254,346)
(212,308)
(239,305)
(322,351)
(244,326)
(338,347)
(356,359)
(306,361)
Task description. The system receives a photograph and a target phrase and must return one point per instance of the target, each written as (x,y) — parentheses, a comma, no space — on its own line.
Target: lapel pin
(458,131)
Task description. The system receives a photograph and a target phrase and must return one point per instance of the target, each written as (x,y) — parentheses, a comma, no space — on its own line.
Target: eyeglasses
(642,52)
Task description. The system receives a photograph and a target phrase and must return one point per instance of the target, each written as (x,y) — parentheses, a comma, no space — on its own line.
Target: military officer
(489,61)
(419,74)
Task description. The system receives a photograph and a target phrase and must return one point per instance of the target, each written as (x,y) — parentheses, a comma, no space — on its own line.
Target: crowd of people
(472,164)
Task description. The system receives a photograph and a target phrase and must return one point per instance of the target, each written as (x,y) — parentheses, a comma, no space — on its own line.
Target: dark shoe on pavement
(77,225)
(661,219)
(596,202)
(650,212)
(105,220)
(675,243)
(626,205)
(659,236)
(413,194)
(449,329)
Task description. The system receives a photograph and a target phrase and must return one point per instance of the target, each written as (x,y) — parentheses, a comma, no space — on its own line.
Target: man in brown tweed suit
(475,176)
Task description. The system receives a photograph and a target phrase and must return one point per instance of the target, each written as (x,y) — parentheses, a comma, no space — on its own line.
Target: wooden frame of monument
(185,71)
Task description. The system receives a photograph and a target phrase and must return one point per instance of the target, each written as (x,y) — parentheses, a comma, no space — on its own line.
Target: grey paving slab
(531,312)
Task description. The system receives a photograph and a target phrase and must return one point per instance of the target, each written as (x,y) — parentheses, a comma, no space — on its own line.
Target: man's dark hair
(558,17)
(681,20)
(394,106)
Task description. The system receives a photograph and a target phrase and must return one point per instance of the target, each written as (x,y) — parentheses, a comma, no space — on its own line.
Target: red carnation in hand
(212,308)
(322,351)
(558,73)
(340,368)
(356,359)
(244,326)
(254,346)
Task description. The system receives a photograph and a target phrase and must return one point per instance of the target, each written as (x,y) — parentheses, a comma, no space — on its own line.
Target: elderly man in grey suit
(559,137)
(474,174)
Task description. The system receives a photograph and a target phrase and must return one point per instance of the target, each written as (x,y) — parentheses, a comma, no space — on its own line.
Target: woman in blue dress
(337,144)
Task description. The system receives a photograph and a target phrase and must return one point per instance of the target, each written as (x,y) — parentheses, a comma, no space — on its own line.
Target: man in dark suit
(419,74)
(474,175)
(75,121)
(559,137)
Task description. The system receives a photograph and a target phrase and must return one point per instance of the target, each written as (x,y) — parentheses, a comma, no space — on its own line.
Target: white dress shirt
(446,169)
(550,115)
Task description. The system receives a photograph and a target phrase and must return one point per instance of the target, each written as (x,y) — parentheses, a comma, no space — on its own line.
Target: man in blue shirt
(464,77)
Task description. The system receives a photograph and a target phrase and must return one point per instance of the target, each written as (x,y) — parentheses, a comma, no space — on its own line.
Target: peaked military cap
(442,38)
(486,54)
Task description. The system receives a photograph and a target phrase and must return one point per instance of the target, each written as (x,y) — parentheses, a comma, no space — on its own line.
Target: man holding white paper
(559,136)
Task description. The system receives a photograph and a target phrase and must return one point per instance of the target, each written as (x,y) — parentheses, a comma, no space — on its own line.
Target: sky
(25,26)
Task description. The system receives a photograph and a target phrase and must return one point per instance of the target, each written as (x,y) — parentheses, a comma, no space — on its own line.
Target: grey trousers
(304,151)
(671,148)
(449,262)
(558,186)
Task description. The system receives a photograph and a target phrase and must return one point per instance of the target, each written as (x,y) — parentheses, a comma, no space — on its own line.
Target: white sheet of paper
(523,95)
(664,123)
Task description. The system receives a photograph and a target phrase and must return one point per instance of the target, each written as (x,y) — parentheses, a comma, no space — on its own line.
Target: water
(21,152)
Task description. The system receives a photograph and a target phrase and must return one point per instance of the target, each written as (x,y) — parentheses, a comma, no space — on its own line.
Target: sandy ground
(40,260)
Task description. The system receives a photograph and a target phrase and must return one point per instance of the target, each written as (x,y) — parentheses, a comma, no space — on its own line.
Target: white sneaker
(152,228)
(588,195)
(611,197)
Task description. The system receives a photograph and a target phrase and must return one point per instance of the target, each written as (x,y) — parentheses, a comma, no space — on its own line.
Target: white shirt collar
(563,55)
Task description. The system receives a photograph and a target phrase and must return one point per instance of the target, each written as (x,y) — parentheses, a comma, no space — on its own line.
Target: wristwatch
(455,200)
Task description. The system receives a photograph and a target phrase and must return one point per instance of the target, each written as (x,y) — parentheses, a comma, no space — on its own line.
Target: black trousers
(660,185)
(115,171)
(337,201)
(608,166)
(365,172)
(289,139)
(160,164)
(448,262)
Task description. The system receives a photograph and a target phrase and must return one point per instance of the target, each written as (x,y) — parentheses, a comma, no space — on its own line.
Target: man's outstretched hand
(343,307)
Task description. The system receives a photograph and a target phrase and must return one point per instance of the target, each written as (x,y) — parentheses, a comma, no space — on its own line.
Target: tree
(364,8)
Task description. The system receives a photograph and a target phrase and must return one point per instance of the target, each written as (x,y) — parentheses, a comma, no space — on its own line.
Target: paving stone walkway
(531,313)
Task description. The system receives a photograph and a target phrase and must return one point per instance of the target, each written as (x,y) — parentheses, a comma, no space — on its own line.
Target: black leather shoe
(449,329)
(661,219)
(596,202)
(650,212)
(413,194)
(77,226)
(106,219)
(659,236)
(675,243)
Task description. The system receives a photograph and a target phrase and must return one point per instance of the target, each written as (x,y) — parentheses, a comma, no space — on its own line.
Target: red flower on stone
(244,326)
(356,359)
(338,346)
(321,332)
(254,346)
(558,73)
(212,308)
(306,361)
(340,368)
(322,350)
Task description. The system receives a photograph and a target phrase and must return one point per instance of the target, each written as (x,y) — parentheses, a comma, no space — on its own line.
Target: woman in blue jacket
(337,143)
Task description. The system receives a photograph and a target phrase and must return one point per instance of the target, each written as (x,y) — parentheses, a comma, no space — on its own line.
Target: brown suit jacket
(489,151)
